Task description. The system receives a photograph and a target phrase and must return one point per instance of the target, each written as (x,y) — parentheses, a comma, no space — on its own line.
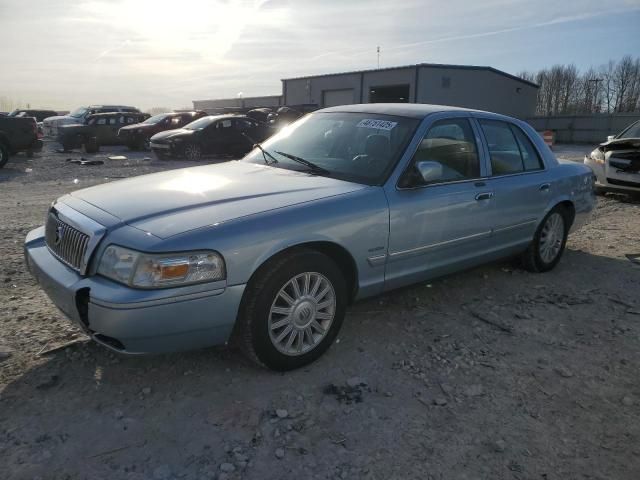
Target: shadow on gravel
(447,394)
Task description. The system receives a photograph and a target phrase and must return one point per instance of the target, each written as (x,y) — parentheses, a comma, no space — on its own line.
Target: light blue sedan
(344,204)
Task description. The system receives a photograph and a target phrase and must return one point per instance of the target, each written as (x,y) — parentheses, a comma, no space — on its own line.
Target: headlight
(175,140)
(597,155)
(145,270)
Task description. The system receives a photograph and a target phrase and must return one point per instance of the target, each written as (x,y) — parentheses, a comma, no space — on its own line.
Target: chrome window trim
(440,184)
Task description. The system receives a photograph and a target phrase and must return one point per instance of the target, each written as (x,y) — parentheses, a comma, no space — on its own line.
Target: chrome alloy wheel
(302,313)
(551,237)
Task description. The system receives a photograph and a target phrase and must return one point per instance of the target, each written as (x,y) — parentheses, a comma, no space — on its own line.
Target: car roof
(114,114)
(110,106)
(410,110)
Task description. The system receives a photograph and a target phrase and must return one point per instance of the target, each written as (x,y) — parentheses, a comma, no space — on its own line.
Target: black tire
(252,329)
(4,155)
(532,258)
(600,191)
(66,147)
(192,152)
(90,145)
(138,143)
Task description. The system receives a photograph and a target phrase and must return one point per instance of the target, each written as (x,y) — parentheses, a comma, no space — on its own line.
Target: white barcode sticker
(378,124)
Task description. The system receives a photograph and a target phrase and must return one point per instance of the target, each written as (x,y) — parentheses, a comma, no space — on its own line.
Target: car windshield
(79,112)
(633,131)
(156,119)
(200,123)
(14,113)
(357,147)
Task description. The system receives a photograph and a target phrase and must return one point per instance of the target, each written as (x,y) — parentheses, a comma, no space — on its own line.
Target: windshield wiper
(312,166)
(264,152)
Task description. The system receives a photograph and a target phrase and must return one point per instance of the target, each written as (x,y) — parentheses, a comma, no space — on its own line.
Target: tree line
(613,87)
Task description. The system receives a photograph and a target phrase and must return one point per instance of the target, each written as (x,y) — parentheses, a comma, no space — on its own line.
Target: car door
(518,179)
(100,129)
(215,138)
(441,221)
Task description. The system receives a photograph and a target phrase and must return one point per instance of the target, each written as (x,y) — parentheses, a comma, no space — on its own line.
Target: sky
(62,54)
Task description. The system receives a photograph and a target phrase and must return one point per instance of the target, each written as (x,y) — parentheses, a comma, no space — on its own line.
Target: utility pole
(378,50)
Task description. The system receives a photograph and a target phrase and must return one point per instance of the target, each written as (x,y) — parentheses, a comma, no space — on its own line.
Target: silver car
(616,163)
(344,204)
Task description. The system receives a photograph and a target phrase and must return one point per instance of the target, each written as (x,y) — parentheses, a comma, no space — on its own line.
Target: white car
(616,163)
(50,125)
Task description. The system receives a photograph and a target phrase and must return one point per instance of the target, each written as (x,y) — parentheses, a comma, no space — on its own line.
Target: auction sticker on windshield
(379,124)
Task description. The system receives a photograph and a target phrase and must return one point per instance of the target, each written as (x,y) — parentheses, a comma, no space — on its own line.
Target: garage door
(332,98)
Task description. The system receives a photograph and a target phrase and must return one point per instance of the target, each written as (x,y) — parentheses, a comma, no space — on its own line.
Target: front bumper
(608,178)
(166,150)
(135,321)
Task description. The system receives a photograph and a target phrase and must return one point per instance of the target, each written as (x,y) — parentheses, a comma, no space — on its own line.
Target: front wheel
(192,152)
(90,145)
(546,248)
(292,310)
(4,155)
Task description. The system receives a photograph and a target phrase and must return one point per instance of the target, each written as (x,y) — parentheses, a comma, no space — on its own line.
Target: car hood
(169,203)
(138,126)
(171,133)
(618,143)
(61,120)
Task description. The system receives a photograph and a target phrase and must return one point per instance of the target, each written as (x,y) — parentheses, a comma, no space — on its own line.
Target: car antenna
(264,152)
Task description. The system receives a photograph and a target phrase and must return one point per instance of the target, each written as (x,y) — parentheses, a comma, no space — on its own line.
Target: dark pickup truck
(100,129)
(18,134)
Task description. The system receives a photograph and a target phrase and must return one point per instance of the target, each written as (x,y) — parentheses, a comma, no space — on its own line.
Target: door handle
(484,196)
(544,187)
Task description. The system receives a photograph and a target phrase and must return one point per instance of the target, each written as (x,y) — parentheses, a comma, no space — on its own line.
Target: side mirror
(430,171)
(610,137)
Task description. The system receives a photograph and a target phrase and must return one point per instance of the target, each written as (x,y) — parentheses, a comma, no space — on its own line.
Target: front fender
(358,222)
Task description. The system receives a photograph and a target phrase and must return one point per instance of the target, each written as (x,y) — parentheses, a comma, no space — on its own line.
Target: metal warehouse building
(483,88)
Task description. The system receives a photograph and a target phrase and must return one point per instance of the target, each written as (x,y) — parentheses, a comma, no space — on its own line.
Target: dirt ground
(494,373)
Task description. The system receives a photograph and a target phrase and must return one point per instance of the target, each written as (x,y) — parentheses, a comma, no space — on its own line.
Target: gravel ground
(494,373)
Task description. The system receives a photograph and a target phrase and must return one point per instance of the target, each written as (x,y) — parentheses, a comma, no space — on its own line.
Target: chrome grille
(68,244)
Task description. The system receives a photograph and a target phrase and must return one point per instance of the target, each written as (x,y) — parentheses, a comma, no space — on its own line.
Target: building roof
(427,65)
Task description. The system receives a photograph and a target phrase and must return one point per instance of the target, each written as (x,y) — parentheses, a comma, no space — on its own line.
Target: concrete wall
(471,88)
(592,128)
(246,102)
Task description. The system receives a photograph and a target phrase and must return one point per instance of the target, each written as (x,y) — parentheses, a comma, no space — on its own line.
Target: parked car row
(98,129)
(214,134)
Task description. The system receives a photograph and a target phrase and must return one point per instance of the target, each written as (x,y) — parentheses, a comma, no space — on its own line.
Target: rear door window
(530,157)
(503,147)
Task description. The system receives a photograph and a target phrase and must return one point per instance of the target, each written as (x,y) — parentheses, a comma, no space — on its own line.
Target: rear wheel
(292,310)
(547,246)
(4,155)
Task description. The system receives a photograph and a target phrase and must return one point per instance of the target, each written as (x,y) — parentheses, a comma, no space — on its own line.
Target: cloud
(150,52)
